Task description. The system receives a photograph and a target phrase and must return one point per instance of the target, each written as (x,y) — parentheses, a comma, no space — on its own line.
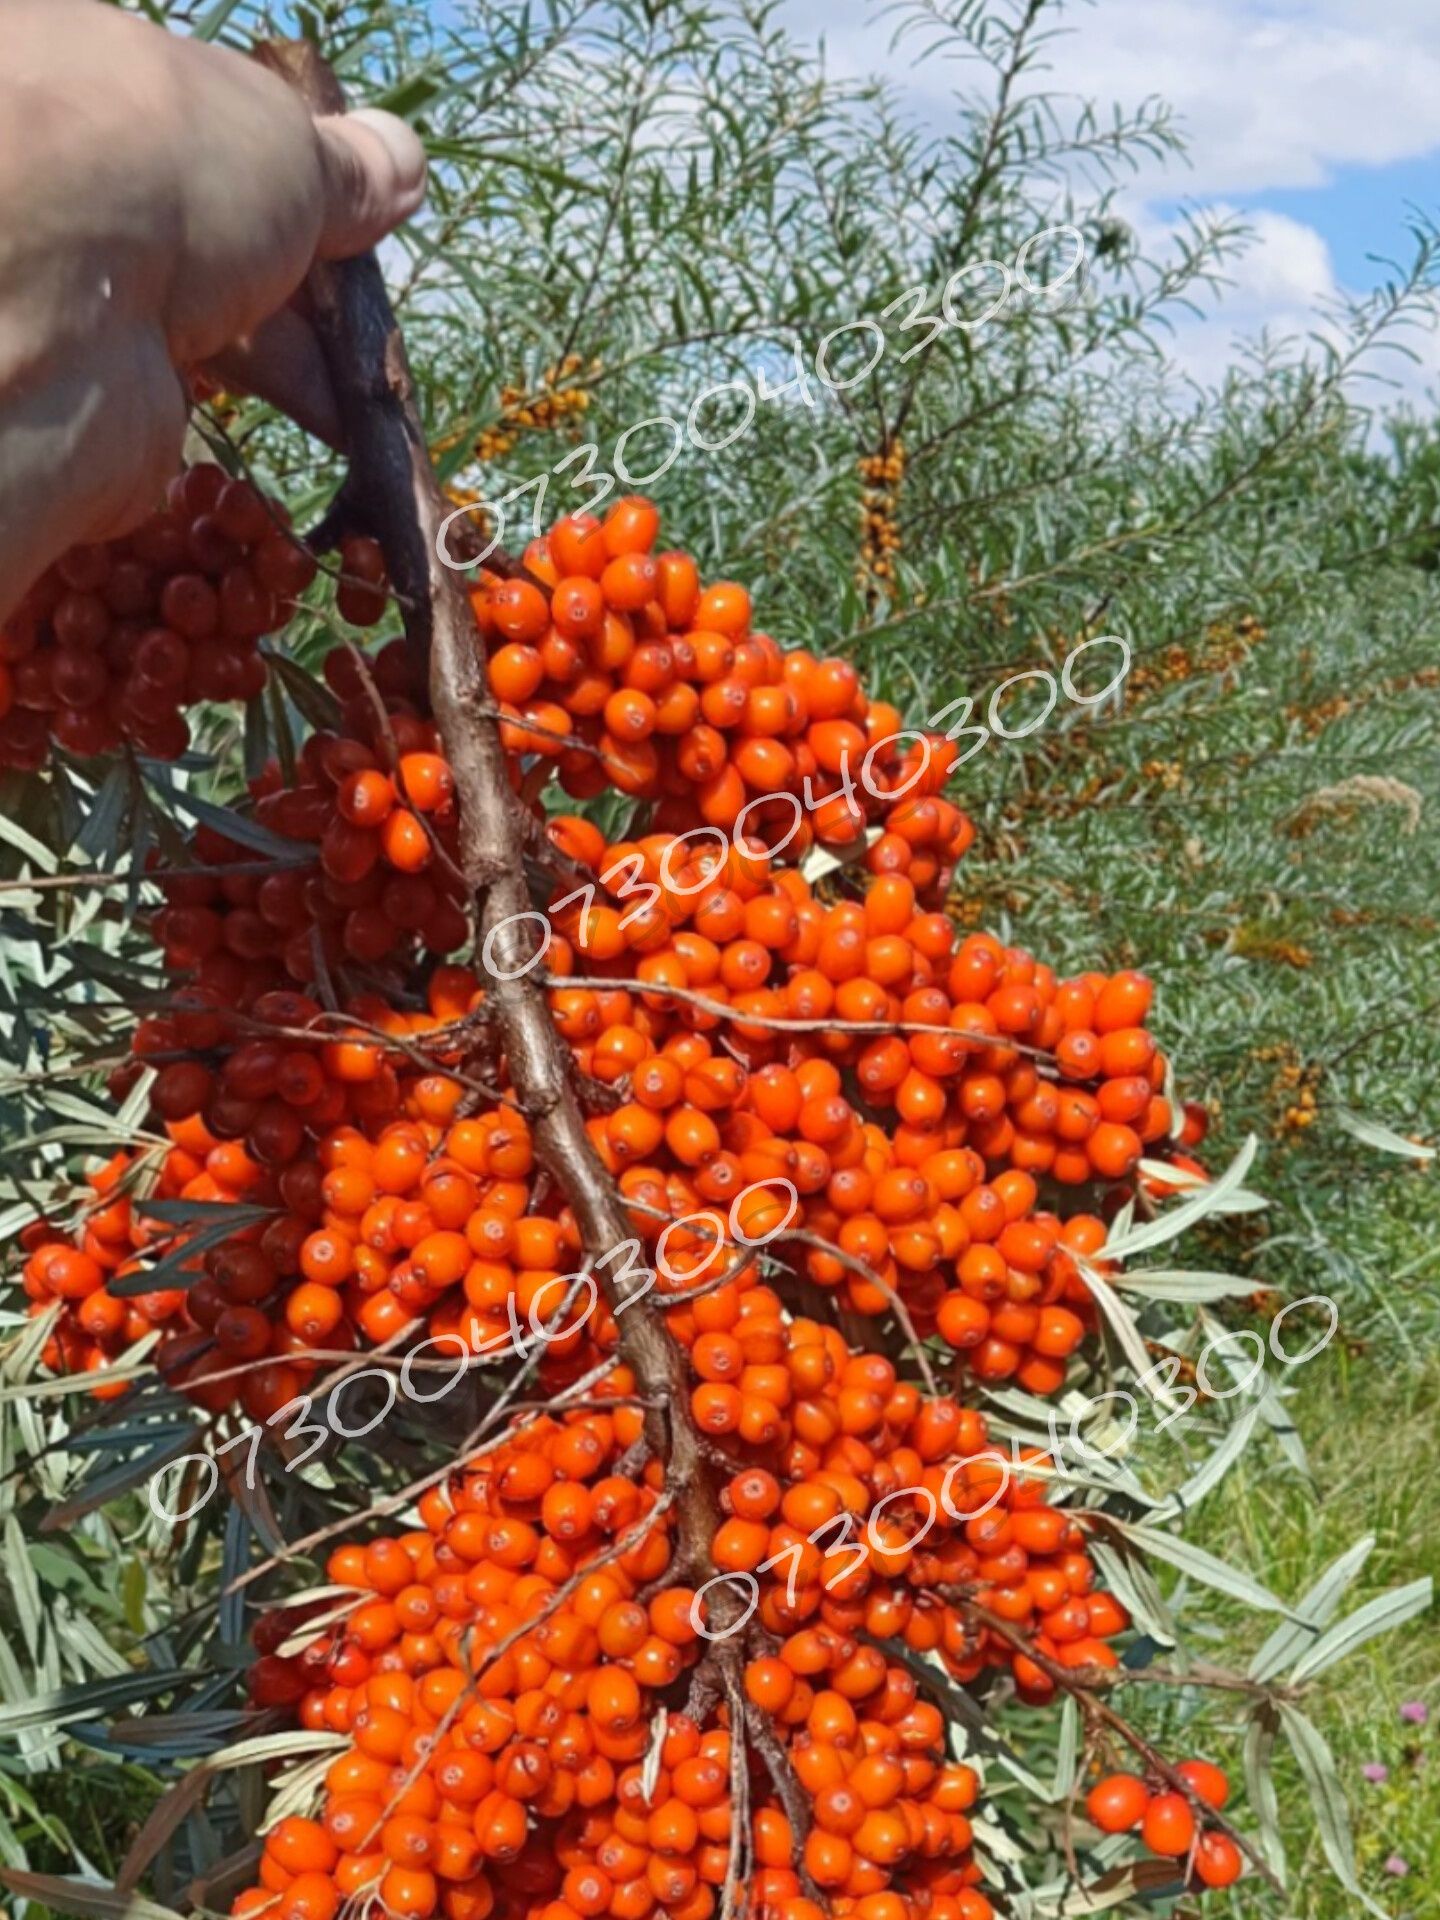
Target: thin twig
(1095,1710)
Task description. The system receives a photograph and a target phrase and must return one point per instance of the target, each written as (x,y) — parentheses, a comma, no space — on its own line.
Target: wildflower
(1415,1711)
(1375,1773)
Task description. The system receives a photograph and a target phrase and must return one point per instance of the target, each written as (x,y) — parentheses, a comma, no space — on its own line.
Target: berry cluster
(115,641)
(374,877)
(499,1671)
(1165,1819)
(613,661)
(390,1206)
(822,1106)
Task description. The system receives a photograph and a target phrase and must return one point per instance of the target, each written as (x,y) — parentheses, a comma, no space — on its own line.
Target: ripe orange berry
(1168,1827)
(1217,1860)
(519,610)
(1208,1780)
(1117,1803)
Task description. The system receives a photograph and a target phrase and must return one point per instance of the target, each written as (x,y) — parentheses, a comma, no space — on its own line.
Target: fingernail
(406,153)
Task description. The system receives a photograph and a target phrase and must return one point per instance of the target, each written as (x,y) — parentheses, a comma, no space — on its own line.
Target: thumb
(372,177)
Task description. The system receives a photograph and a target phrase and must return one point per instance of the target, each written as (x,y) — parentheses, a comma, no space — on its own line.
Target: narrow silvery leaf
(1373,1133)
(1212,1470)
(1119,1317)
(1177,1284)
(83,1898)
(1137,1589)
(1314,1612)
(16,836)
(1381,1615)
(1177,1220)
(1203,1566)
(1260,1784)
(1276,1415)
(1327,1797)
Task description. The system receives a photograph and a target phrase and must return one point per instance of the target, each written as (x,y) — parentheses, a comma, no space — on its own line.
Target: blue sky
(1361,211)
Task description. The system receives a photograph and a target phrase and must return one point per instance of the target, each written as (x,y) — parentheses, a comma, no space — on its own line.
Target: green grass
(1370,1433)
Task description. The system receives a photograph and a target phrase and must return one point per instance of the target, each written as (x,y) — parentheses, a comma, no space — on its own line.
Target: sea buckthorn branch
(193,870)
(1080,1686)
(490,509)
(742,1845)
(396,491)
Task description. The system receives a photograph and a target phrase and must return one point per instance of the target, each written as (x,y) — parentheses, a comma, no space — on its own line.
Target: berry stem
(1098,1714)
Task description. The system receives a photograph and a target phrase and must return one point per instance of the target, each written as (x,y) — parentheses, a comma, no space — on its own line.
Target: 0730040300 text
(752,1226)
(950,318)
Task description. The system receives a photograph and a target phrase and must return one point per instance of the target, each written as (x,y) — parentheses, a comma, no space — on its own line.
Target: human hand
(160,202)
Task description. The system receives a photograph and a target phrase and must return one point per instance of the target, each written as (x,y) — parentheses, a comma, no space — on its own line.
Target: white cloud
(1270,94)
(1267,99)
(1278,284)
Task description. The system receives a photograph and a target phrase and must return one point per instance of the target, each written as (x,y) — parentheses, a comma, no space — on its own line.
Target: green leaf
(176,1269)
(408,96)
(132,1365)
(1174,1221)
(1276,1415)
(1202,1566)
(103,1487)
(100,834)
(24,1587)
(1122,1323)
(1381,1615)
(1137,1880)
(1260,1784)
(1067,1749)
(310,696)
(209,25)
(184,1213)
(83,1898)
(276,1746)
(278,717)
(295,1790)
(1373,1133)
(1313,1611)
(237,827)
(164,1819)
(90,1702)
(1137,1589)
(1327,1797)
(15,835)
(133,1588)
(256,743)
(91,1652)
(1180,1285)
(1212,1470)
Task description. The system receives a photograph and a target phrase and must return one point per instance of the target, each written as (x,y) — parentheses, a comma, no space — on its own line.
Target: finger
(282,363)
(373,177)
